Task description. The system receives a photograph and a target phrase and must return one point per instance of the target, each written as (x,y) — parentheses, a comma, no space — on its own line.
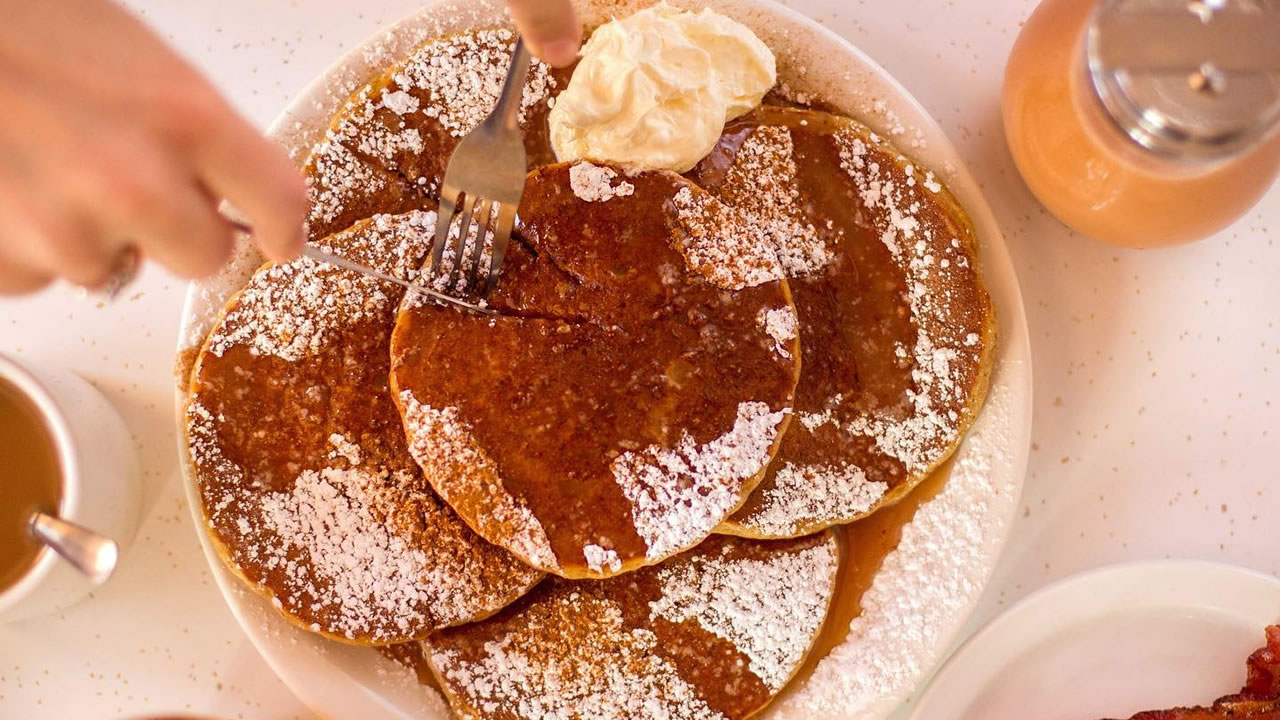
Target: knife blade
(328,258)
(321,256)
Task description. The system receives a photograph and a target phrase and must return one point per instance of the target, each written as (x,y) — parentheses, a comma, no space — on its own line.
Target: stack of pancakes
(614,498)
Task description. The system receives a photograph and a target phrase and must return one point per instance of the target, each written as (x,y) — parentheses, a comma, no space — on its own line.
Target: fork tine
(460,244)
(484,218)
(501,236)
(444,218)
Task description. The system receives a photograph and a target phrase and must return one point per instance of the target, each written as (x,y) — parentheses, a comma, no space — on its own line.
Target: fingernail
(559,53)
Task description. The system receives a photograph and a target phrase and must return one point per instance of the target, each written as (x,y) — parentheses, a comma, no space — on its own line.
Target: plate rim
(1012,370)
(1035,604)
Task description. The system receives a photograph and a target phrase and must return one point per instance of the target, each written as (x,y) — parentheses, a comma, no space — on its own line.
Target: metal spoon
(86,550)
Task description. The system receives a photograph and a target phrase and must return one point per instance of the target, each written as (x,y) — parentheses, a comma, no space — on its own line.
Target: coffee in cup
(30,481)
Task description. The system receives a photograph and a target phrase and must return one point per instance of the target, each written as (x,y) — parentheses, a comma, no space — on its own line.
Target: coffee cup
(97,480)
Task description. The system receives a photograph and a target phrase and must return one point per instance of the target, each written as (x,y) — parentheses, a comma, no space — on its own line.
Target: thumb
(550,27)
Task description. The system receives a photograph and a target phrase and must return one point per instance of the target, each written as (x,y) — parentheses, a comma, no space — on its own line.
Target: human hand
(550,27)
(110,143)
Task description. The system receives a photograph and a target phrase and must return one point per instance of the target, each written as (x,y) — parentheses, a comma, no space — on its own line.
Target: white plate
(927,588)
(1110,643)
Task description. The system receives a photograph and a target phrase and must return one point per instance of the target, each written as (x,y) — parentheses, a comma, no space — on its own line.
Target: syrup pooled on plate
(30,480)
(867,543)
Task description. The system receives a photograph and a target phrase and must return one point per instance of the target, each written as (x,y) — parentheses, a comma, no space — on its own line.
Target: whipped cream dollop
(655,89)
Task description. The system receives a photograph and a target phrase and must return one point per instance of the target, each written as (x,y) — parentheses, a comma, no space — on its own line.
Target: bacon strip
(1259,699)
(1264,669)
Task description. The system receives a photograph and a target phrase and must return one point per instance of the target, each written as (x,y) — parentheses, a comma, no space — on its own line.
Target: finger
(18,272)
(17,278)
(51,240)
(182,230)
(550,27)
(141,195)
(186,235)
(72,250)
(235,162)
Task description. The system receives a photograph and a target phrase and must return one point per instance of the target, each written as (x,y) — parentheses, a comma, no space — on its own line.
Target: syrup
(1080,164)
(867,543)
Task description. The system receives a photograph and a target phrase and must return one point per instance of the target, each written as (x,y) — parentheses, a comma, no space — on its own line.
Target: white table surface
(1155,373)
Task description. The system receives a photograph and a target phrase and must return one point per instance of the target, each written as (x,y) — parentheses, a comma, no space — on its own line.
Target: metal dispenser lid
(1196,80)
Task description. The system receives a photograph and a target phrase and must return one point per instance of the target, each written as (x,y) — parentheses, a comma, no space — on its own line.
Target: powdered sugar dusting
(781,325)
(339,537)
(594,183)
(607,672)
(763,184)
(814,420)
(366,570)
(679,494)
(722,244)
(443,446)
(345,546)
(920,596)
(600,559)
(345,537)
(400,102)
(304,310)
(801,494)
(359,126)
(202,440)
(291,311)
(463,75)
(453,81)
(740,599)
(338,175)
(637,645)
(918,439)
(344,448)
(342,537)
(922,423)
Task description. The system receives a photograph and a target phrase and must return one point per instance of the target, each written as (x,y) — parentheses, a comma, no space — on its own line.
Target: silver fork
(487,170)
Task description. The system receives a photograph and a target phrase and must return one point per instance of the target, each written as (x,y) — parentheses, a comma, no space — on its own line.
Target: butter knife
(329,258)
(319,255)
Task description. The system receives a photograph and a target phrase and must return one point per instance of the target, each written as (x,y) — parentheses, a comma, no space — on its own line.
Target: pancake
(310,494)
(714,633)
(387,147)
(627,398)
(411,656)
(897,329)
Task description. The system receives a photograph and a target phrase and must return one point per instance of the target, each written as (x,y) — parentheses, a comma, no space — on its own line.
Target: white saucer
(1110,643)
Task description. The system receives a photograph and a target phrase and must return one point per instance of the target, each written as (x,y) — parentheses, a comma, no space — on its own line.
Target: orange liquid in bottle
(1087,172)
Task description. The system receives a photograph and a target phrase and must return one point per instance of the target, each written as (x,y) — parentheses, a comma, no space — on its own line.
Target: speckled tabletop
(1155,373)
